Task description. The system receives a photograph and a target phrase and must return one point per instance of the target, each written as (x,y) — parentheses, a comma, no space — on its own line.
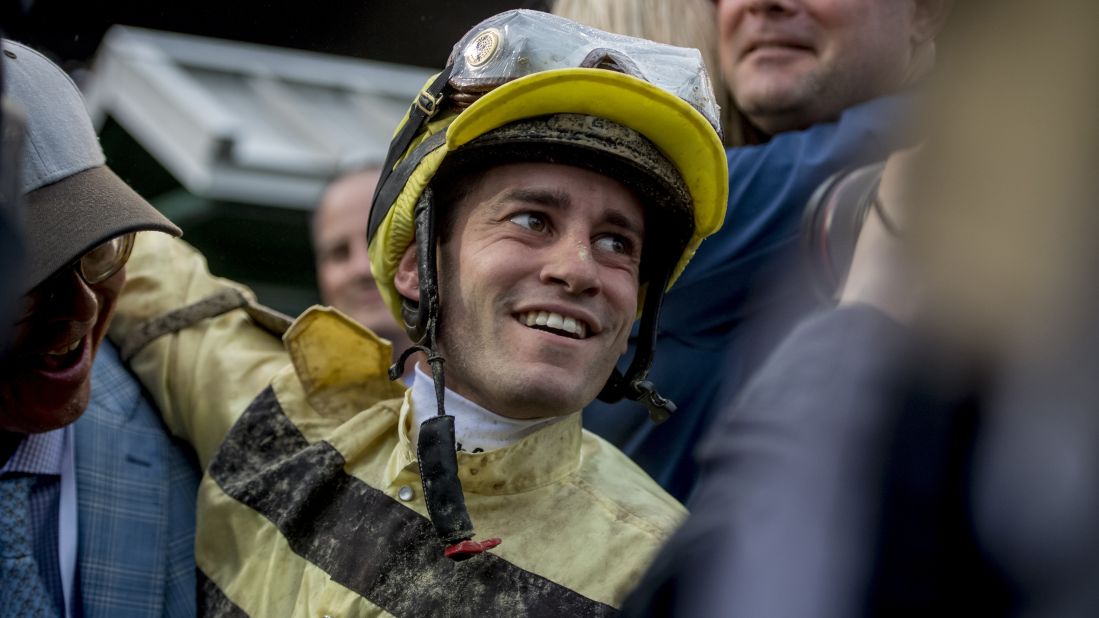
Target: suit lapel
(121,496)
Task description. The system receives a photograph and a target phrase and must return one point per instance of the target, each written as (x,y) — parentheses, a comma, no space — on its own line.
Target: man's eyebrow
(552,198)
(558,199)
(629,224)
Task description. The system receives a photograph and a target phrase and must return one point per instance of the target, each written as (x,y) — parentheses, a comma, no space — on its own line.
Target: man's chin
(781,113)
(41,421)
(542,396)
(41,414)
(785,93)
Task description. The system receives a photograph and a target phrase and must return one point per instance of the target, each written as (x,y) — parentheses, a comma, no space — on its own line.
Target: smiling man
(543,191)
(96,502)
(794,63)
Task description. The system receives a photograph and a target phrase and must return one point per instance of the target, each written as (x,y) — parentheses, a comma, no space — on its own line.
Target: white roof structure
(247,123)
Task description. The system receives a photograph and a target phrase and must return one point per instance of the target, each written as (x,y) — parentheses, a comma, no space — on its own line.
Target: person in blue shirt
(96,501)
(822,88)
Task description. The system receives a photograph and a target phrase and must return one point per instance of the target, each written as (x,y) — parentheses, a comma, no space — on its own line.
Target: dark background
(409,32)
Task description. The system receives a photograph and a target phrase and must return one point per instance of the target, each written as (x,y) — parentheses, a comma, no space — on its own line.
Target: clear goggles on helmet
(518,43)
(521,43)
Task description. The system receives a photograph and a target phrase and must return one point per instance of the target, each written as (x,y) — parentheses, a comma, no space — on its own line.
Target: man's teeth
(556,321)
(65,349)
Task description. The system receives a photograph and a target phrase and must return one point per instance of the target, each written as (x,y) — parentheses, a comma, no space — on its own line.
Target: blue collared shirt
(49,457)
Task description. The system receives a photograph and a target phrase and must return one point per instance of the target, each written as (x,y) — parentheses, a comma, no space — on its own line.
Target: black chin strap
(634,385)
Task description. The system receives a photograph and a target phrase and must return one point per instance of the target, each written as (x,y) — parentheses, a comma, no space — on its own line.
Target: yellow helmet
(522,65)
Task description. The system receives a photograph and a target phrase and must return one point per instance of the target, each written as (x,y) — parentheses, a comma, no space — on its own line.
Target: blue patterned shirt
(49,457)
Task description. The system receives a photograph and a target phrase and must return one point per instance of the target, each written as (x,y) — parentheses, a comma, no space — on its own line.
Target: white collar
(476,428)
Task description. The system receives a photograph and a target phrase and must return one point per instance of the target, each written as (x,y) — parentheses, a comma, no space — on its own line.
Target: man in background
(343,266)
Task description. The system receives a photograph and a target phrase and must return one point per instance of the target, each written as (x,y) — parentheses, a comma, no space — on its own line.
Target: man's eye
(614,244)
(530,220)
(339,253)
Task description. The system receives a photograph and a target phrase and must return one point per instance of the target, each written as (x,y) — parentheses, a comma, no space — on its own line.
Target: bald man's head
(343,266)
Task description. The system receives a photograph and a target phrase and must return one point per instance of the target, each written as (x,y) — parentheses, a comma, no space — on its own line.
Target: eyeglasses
(101,263)
(94,267)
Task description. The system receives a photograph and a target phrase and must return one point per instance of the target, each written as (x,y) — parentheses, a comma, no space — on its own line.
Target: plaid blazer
(136,494)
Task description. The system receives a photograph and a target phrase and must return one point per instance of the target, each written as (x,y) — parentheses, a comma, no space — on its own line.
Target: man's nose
(359,262)
(70,298)
(570,263)
(772,8)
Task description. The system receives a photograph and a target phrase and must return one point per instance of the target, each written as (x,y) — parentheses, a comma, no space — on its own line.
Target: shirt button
(405,493)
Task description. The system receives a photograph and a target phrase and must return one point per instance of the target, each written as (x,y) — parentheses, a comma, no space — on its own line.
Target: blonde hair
(685,23)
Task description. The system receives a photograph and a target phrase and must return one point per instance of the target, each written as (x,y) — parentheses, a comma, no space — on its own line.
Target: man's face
(47,378)
(793,63)
(343,266)
(539,284)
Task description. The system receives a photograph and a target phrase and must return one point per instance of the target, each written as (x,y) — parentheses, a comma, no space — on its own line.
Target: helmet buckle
(428,103)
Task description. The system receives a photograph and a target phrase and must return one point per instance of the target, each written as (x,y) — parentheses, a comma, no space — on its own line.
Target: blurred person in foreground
(539,198)
(96,502)
(11,213)
(931,447)
(820,86)
(343,264)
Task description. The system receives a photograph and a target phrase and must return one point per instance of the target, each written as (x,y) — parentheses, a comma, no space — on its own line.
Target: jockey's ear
(407,277)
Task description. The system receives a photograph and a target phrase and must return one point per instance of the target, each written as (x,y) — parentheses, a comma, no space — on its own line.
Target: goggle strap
(386,193)
(422,109)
